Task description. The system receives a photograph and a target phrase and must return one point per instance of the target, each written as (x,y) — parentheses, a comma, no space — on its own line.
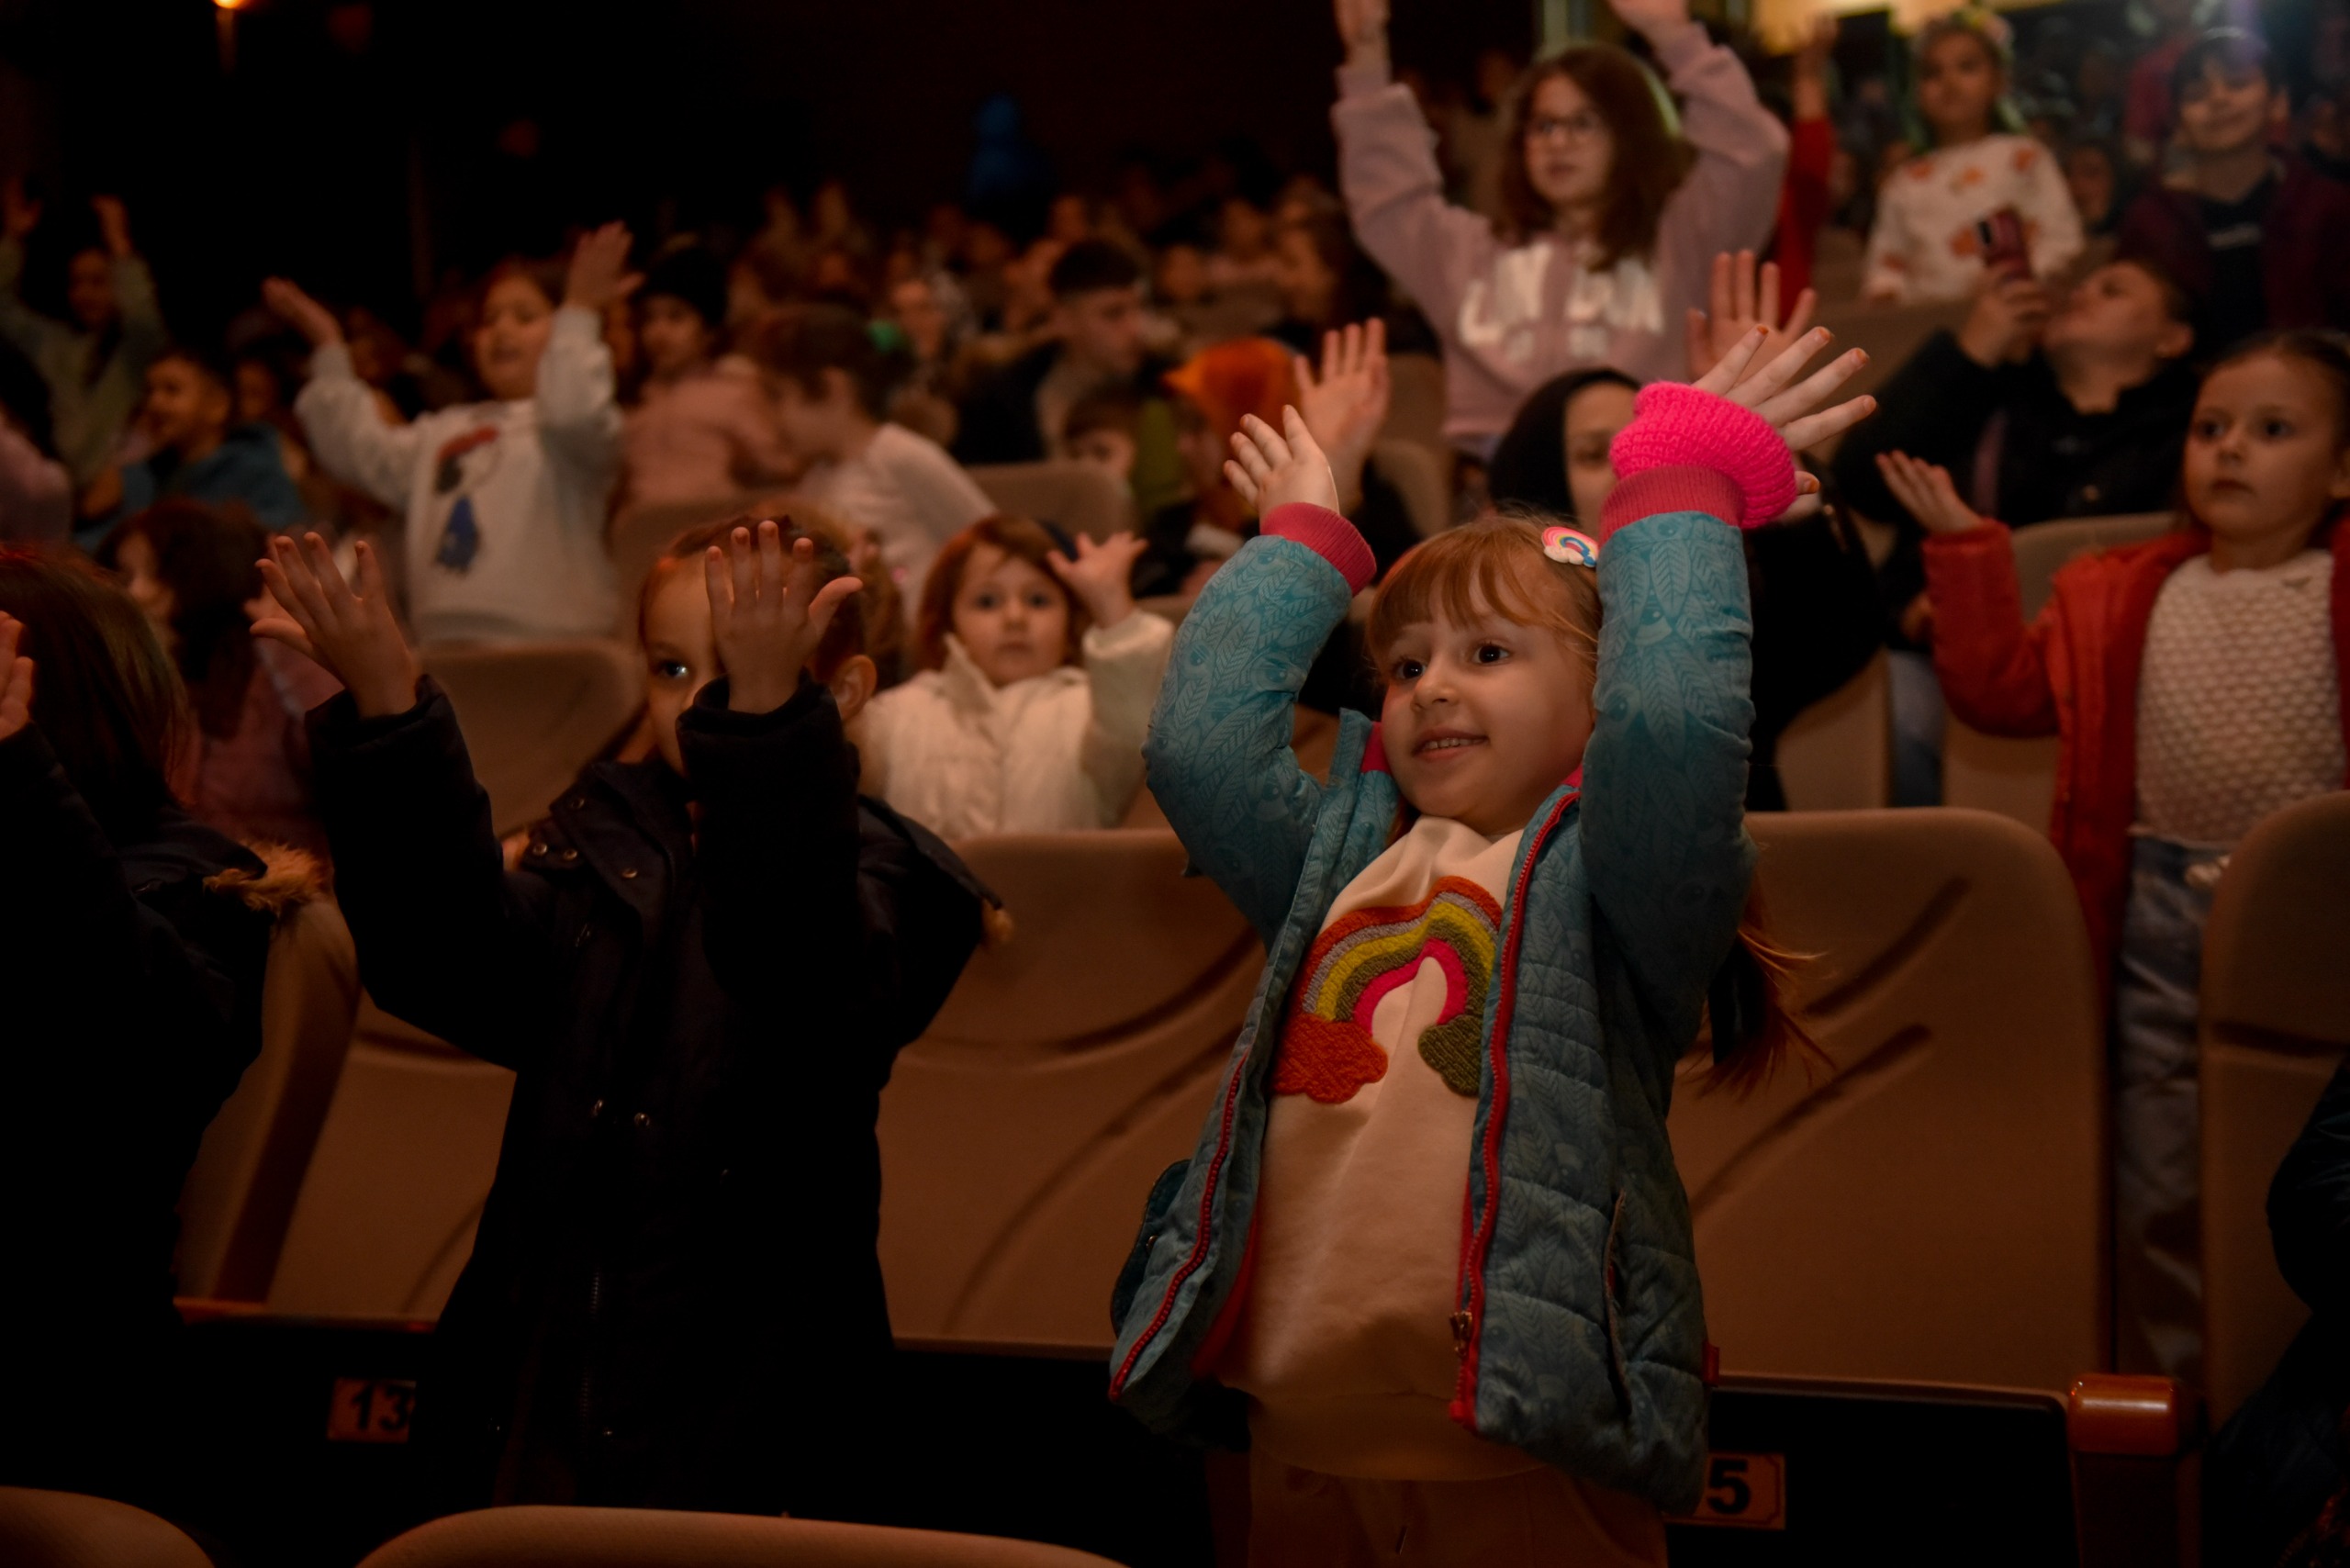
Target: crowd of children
(218,572)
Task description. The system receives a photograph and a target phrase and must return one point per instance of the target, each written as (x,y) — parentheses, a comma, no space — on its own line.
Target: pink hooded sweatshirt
(1513,317)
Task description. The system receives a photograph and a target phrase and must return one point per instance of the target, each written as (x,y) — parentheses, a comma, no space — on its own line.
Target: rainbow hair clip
(1570,546)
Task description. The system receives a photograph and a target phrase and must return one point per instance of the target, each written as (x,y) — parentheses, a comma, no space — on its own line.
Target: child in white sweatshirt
(506,501)
(1036,684)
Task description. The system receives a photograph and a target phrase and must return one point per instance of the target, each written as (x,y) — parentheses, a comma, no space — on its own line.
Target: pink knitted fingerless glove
(1679,427)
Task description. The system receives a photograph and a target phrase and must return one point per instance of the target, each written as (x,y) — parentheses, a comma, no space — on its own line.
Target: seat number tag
(1744,1491)
(370,1410)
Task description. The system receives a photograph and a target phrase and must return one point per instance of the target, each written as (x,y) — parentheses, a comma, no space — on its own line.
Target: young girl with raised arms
(1431,1247)
(2196,683)
(1925,245)
(1036,680)
(1614,206)
(701,972)
(506,500)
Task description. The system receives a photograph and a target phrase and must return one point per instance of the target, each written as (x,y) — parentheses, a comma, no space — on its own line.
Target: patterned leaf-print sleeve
(1664,777)
(1218,755)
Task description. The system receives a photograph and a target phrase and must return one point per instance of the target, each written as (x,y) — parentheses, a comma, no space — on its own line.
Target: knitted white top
(2239,701)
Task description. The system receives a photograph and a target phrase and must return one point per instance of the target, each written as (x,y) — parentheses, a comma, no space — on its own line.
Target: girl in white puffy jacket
(1036,689)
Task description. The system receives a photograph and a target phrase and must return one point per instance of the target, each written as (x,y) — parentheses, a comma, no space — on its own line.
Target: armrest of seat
(2136,1445)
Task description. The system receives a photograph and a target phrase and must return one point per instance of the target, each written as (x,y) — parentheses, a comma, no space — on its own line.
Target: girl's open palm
(301,312)
(1362,28)
(1742,299)
(1345,406)
(1276,467)
(1925,489)
(1101,576)
(768,611)
(16,679)
(598,273)
(347,628)
(1791,406)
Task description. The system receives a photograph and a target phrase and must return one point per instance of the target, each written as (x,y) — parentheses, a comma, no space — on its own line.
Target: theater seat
(2017,776)
(1838,755)
(1074,497)
(641,534)
(1071,1065)
(387,1212)
(2276,1019)
(1931,1206)
(239,1197)
(1891,334)
(534,714)
(1416,405)
(538,1537)
(65,1529)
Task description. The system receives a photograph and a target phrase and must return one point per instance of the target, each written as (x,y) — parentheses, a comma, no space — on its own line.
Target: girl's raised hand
(768,611)
(1362,28)
(1794,410)
(1101,576)
(301,312)
(598,275)
(1276,467)
(1740,300)
(16,679)
(1926,490)
(1347,404)
(346,628)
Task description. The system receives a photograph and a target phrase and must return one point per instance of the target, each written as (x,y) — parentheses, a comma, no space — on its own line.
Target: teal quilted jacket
(1580,1323)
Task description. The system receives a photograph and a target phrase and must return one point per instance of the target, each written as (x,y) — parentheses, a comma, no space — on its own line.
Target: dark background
(363,148)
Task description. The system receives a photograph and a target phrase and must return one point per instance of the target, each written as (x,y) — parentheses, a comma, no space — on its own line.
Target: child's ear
(853,684)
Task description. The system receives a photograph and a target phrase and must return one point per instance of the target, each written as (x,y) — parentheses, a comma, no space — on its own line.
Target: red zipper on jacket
(1190,1265)
(1476,1244)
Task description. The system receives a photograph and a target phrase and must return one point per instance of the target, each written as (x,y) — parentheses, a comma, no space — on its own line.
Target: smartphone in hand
(2000,240)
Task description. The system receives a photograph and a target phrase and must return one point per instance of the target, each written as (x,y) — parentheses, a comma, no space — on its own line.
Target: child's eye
(1491,653)
(671,669)
(2206,430)
(2276,430)
(1407,670)
(986,601)
(1040,600)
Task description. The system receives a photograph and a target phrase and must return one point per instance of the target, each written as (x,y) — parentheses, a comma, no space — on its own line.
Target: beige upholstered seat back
(540,1537)
(2275,1023)
(66,1530)
(1838,755)
(1416,405)
(534,714)
(386,1214)
(2016,778)
(1077,498)
(641,534)
(1072,1064)
(240,1195)
(1422,478)
(1891,334)
(1932,1209)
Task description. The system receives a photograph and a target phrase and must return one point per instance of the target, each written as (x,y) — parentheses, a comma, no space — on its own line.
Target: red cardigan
(2073,673)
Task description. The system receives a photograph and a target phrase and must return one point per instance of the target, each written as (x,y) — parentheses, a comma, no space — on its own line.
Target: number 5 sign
(1744,1491)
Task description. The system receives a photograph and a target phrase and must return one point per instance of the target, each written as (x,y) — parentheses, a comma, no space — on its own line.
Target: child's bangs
(1492,567)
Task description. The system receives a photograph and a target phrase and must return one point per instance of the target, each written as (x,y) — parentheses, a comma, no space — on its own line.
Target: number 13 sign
(1744,1491)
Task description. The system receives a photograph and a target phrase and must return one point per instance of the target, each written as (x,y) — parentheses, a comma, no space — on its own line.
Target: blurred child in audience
(1036,673)
(831,383)
(246,768)
(36,491)
(2255,236)
(701,971)
(928,308)
(95,366)
(2149,100)
(506,500)
(1927,242)
(1327,283)
(1615,214)
(1562,753)
(133,944)
(700,431)
(2093,179)
(2195,683)
(202,452)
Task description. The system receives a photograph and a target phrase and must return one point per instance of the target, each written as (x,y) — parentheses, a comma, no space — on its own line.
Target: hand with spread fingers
(1925,489)
(16,679)
(1271,468)
(1345,406)
(1741,299)
(1791,406)
(598,275)
(301,312)
(1101,576)
(769,609)
(347,629)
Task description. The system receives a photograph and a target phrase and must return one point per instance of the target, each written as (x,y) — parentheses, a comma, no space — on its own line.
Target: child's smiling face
(1484,718)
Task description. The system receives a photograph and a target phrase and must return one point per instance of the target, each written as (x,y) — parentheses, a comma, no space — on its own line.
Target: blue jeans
(1917,716)
(2158,1265)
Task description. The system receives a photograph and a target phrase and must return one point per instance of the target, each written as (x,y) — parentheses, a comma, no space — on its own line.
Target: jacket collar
(969,691)
(180,848)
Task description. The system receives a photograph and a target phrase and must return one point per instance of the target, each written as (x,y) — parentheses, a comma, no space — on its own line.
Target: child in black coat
(701,972)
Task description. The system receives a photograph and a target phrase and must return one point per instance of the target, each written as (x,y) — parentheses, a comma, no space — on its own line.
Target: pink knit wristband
(1328,535)
(1675,426)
